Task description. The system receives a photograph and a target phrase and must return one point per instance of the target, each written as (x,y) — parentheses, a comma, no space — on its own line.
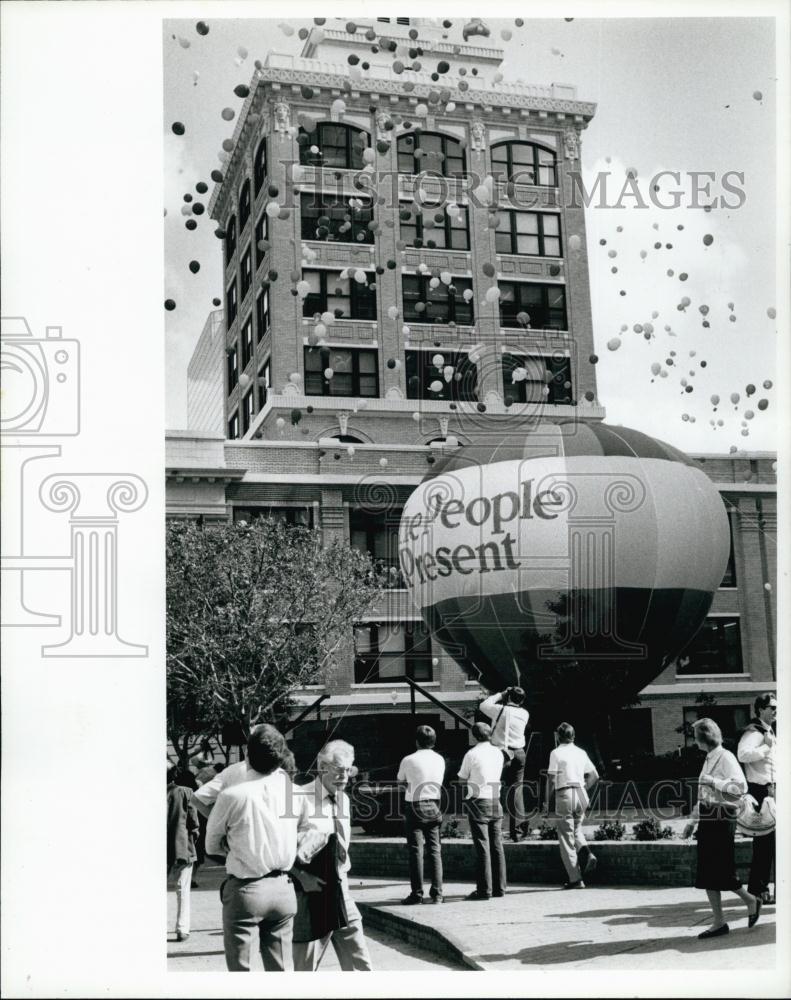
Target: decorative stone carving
(343,423)
(282,116)
(382,120)
(394,393)
(571,144)
(478,133)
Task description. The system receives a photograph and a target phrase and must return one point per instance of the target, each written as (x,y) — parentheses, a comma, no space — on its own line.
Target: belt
(274,874)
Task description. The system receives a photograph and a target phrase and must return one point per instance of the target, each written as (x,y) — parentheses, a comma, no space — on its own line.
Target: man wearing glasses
(757,753)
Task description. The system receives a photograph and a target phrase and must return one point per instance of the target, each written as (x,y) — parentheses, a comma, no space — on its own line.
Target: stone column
(750,579)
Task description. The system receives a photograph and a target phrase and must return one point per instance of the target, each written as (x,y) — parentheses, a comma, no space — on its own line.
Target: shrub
(651,829)
(547,831)
(452,829)
(610,830)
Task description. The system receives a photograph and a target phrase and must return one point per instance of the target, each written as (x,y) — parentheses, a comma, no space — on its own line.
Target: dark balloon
(170,305)
(217,177)
(178,128)
(198,208)
(241,90)
(194,266)
(191,224)
(216,302)
(202,28)
(201,187)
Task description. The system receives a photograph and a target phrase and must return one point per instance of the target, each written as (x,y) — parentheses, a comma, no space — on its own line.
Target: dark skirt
(716,858)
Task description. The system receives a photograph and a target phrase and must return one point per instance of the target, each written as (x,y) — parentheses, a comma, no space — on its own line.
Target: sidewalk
(595,928)
(532,926)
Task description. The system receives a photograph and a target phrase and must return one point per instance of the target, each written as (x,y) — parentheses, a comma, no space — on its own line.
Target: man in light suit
(329,914)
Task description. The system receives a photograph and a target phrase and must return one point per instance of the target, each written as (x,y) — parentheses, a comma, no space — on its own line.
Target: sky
(673,94)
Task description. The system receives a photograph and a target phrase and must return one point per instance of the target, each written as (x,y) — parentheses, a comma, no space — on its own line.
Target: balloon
(303,287)
(735,398)
(594,358)
(438,361)
(170,305)
(762,404)
(280,423)
(656,368)
(272,209)
(202,28)
(178,128)
(392,312)
(477,535)
(757,95)
(708,239)
(748,414)
(492,294)
(613,343)
(715,399)
(227,114)
(184,42)
(750,389)
(194,266)
(768,384)
(771,312)
(574,242)
(383,462)
(436,386)
(467,294)
(488,270)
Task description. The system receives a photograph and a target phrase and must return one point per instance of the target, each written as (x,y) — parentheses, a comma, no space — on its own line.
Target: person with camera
(509,719)
(756,753)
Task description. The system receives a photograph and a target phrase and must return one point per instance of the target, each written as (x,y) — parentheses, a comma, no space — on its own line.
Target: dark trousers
(763,848)
(266,905)
(422,821)
(485,818)
(511,793)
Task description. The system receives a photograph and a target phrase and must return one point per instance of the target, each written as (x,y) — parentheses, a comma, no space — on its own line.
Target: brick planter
(660,862)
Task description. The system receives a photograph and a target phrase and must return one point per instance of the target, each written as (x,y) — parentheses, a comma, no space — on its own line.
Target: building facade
(402,261)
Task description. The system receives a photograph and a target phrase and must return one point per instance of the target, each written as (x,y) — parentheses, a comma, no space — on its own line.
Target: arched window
(438,154)
(244,205)
(347,439)
(259,166)
(230,240)
(525,163)
(335,145)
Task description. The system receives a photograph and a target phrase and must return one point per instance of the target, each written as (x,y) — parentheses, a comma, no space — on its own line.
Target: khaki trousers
(348,942)
(570,812)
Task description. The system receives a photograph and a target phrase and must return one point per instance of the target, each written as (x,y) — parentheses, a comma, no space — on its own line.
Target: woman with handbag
(721,786)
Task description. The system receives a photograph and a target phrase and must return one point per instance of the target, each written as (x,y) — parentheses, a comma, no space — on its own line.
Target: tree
(254,612)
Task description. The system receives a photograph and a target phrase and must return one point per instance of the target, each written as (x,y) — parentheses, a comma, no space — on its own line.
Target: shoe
(767,898)
(181,936)
(579,884)
(752,920)
(498,895)
(713,932)
(437,899)
(589,865)
(194,885)
(412,900)
(477,896)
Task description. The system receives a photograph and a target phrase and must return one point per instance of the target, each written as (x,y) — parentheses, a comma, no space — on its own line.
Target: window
(248,409)
(264,379)
(301,517)
(233,368)
(443,304)
(335,219)
(432,152)
(259,166)
(354,373)
(536,233)
(716,649)
(435,228)
(233,427)
(392,651)
(247,342)
(230,298)
(230,240)
(540,373)
(524,163)
(729,580)
(336,146)
(731,719)
(422,374)
(346,297)
(376,532)
(262,314)
(244,205)
(261,235)
(247,273)
(541,307)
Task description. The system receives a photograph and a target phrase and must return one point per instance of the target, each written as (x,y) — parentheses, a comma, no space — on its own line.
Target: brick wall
(654,863)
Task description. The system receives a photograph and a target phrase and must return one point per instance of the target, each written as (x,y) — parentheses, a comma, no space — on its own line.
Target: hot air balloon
(574,560)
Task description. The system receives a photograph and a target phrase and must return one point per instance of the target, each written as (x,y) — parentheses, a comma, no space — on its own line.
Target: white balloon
(438,361)
(436,386)
(574,242)
(272,209)
(303,287)
(328,318)
(493,294)
(328,373)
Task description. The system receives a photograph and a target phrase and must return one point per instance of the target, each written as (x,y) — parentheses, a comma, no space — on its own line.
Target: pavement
(604,928)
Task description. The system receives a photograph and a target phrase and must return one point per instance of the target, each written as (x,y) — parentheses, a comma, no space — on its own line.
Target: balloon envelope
(575,560)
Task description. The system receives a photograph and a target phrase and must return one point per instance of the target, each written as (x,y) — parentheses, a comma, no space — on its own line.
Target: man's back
(424,772)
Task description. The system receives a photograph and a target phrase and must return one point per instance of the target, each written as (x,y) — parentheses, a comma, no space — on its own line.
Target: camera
(41,381)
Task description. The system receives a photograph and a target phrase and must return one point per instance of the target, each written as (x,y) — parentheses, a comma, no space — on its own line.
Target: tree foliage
(254,612)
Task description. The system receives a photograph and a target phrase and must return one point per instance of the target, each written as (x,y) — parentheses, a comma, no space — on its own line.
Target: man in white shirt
(509,719)
(570,776)
(423,771)
(756,753)
(481,769)
(254,823)
(329,914)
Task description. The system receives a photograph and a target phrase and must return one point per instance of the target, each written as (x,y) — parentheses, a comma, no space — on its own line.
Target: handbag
(754,821)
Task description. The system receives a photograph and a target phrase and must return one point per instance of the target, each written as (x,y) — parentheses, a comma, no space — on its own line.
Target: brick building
(361,242)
